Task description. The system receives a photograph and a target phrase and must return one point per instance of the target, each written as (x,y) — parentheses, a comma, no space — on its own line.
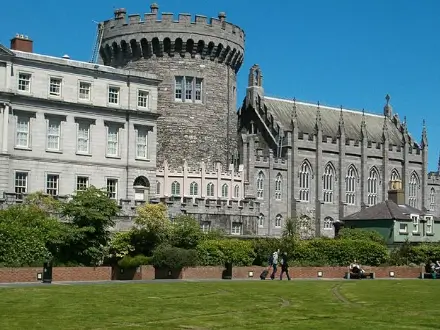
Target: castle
(185,144)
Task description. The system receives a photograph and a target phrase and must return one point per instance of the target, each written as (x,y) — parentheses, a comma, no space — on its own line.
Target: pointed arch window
(372,186)
(328,184)
(278,186)
(278,220)
(304,182)
(432,200)
(261,220)
(210,189)
(225,192)
(350,186)
(193,189)
(260,185)
(328,223)
(394,175)
(236,191)
(413,190)
(175,188)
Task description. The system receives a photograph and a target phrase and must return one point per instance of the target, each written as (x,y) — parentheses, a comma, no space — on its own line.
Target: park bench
(350,275)
(424,275)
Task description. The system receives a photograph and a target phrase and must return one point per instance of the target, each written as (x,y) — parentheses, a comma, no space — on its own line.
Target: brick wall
(60,274)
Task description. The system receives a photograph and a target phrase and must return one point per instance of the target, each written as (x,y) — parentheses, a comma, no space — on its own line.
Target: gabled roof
(5,51)
(387,210)
(282,109)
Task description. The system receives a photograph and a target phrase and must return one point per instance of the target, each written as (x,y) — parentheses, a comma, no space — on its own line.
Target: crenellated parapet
(130,37)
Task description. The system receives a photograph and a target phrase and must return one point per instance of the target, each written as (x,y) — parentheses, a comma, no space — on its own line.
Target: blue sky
(336,52)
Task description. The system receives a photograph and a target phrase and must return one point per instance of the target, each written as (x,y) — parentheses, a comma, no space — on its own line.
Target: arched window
(141,187)
(432,200)
(260,185)
(210,189)
(278,186)
(157,188)
(175,188)
(327,184)
(261,220)
(413,190)
(193,189)
(278,220)
(372,186)
(350,186)
(304,182)
(394,175)
(225,192)
(237,191)
(328,223)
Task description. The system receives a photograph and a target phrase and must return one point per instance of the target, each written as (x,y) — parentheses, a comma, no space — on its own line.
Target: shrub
(361,234)
(134,262)
(166,256)
(263,248)
(218,252)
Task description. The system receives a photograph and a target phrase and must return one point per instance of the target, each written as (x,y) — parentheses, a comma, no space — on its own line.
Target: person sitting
(355,268)
(437,266)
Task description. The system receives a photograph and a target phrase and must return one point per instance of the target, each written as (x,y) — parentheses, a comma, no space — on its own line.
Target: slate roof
(387,210)
(281,110)
(5,50)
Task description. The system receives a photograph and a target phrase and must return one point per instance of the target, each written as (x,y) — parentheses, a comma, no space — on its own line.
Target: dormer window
(429,225)
(416,223)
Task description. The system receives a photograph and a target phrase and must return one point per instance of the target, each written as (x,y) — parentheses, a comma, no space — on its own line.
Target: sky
(341,52)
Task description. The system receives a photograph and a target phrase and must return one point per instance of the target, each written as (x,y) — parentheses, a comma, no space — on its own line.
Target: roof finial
(387,98)
(363,112)
(318,104)
(294,101)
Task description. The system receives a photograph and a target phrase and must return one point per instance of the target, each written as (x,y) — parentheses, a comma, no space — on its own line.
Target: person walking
(274,263)
(284,266)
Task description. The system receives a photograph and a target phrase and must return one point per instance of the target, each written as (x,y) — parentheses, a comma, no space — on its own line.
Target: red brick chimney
(22,43)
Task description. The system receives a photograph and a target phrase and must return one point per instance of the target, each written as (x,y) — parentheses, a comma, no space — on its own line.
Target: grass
(365,304)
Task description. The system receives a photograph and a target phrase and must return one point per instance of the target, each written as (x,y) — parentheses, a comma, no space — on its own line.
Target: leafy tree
(185,232)
(120,244)
(93,212)
(300,227)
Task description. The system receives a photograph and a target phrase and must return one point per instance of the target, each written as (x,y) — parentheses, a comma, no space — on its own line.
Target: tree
(93,212)
(186,232)
(300,227)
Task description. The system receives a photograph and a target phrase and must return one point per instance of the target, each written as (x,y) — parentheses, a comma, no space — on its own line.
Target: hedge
(218,252)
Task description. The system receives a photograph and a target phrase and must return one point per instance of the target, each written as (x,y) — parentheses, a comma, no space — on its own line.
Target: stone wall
(62,274)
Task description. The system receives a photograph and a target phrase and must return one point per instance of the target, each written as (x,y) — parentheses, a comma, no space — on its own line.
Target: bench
(350,275)
(424,275)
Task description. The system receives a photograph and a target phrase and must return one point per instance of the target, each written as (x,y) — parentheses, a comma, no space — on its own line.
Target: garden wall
(61,274)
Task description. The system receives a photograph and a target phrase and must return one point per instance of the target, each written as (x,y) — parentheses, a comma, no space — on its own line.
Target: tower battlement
(133,36)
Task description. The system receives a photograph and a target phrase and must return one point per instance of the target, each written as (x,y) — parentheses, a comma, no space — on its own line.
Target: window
(24,82)
(403,228)
(432,200)
(278,185)
(112,141)
(205,226)
(413,190)
(261,220)
(82,183)
(415,220)
(55,87)
(237,191)
(429,225)
(21,182)
(260,185)
(394,175)
(52,184)
(210,190)
(23,132)
(157,188)
(113,95)
(225,192)
(328,223)
(53,134)
(278,220)
(143,99)
(175,188)
(193,189)
(84,91)
(236,228)
(304,182)
(83,138)
(142,143)
(350,186)
(112,188)
(188,89)
(372,184)
(327,184)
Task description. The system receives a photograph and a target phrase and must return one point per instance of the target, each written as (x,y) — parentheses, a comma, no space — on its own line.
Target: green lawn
(311,305)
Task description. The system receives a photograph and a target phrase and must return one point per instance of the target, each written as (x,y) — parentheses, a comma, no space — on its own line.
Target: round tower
(197,61)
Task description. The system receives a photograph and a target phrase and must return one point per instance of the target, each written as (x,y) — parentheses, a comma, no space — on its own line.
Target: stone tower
(198,62)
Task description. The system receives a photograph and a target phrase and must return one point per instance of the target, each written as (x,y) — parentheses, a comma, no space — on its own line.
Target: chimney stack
(396,193)
(22,43)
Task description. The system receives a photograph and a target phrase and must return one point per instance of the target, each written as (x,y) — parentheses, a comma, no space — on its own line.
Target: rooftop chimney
(396,193)
(22,43)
